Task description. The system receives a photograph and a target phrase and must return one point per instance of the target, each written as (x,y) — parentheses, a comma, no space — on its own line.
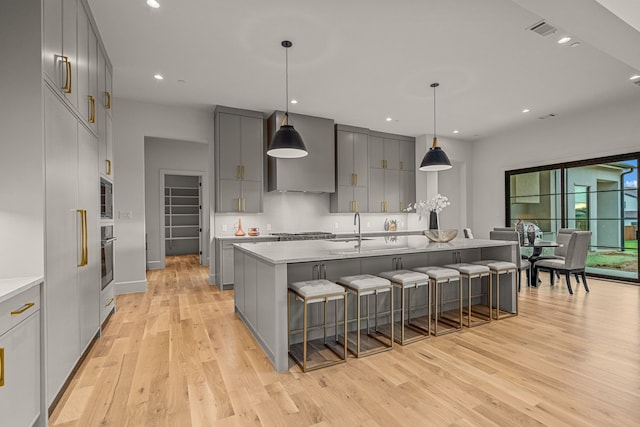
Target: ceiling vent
(543,28)
(548,116)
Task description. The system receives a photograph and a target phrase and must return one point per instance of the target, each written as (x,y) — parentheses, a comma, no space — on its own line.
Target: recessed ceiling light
(294,101)
(564,40)
(456,131)
(575,44)
(635,77)
(388,119)
(153,3)
(526,110)
(158,76)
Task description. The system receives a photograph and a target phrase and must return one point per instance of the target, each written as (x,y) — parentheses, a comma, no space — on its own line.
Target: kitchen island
(263,270)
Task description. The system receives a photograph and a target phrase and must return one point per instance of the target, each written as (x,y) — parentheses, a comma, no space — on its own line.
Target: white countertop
(12,287)
(343,234)
(321,250)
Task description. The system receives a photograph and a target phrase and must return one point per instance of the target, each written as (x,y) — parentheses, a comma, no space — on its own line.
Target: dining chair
(573,263)
(560,252)
(523,264)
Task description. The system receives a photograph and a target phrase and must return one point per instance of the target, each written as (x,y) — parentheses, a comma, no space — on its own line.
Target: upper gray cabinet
(352,170)
(238,143)
(314,172)
(391,172)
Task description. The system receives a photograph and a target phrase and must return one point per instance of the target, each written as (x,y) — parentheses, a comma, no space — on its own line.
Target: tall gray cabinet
(238,143)
(352,170)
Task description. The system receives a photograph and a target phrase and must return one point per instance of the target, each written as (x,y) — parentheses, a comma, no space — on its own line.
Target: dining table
(538,246)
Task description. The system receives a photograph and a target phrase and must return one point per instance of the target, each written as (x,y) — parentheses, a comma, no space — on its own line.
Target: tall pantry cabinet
(77,131)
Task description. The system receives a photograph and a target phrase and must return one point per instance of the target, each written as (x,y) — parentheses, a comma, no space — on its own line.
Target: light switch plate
(337,225)
(224,227)
(125,215)
(268,227)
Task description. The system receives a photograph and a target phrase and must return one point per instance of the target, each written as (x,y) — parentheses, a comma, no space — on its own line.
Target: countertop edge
(339,235)
(11,287)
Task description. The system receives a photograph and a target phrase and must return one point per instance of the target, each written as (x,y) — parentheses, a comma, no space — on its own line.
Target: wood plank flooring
(177,355)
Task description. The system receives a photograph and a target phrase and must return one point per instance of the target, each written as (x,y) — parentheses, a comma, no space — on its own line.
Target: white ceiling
(360,61)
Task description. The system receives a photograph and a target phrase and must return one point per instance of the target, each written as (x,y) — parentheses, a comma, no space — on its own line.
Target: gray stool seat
(472,271)
(317,288)
(366,285)
(406,277)
(406,280)
(498,265)
(311,292)
(440,276)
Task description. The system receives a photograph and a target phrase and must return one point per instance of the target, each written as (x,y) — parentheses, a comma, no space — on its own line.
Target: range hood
(314,173)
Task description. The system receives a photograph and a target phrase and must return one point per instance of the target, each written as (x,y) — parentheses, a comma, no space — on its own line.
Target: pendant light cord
(434,111)
(286,73)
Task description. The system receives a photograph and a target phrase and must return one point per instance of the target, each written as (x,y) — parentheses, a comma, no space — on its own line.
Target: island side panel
(261,303)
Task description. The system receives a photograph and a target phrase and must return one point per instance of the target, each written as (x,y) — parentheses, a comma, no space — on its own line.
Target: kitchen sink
(348,239)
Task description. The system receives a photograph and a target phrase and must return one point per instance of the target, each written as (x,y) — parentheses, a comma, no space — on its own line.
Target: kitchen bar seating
(406,281)
(470,272)
(365,285)
(311,292)
(439,277)
(498,268)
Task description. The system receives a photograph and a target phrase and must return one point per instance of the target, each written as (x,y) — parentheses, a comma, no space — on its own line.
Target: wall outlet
(337,225)
(125,215)
(368,224)
(224,227)
(268,227)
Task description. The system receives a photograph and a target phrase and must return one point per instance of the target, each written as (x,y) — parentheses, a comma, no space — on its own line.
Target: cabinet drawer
(22,306)
(107,302)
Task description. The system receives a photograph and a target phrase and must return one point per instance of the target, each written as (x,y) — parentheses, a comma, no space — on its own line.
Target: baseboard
(155,265)
(130,287)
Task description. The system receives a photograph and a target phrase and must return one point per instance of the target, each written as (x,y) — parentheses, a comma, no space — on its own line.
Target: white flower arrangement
(436,204)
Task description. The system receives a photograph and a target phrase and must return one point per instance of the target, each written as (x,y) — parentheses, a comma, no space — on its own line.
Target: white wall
(171,155)
(607,130)
(132,122)
(21,140)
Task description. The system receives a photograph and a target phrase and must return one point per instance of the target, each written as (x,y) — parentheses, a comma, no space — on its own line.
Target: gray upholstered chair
(562,238)
(573,262)
(521,263)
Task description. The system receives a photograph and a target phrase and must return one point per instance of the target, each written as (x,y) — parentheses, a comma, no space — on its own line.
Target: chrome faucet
(356,218)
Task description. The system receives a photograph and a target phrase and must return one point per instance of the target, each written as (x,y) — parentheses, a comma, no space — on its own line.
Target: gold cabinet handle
(67,74)
(1,367)
(108,167)
(92,109)
(382,163)
(107,105)
(83,238)
(86,239)
(25,307)
(356,177)
(356,202)
(109,302)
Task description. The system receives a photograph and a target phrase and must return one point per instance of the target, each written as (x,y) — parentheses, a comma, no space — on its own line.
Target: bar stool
(440,276)
(498,268)
(367,285)
(311,292)
(406,280)
(470,272)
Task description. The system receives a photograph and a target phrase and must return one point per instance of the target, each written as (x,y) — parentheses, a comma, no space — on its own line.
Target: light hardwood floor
(178,356)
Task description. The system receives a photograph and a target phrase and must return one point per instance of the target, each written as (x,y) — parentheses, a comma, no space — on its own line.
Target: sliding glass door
(599,195)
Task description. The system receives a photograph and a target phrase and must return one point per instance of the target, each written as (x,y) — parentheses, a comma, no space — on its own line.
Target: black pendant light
(287,142)
(435,159)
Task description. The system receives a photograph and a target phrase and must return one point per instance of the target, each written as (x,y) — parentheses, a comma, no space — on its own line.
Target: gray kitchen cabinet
(72,244)
(60,46)
(20,359)
(314,172)
(391,172)
(223,266)
(238,146)
(352,162)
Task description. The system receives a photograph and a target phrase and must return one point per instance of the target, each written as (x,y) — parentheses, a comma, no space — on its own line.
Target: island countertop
(332,249)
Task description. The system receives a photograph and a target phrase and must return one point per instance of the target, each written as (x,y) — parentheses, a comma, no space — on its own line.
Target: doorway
(182,208)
